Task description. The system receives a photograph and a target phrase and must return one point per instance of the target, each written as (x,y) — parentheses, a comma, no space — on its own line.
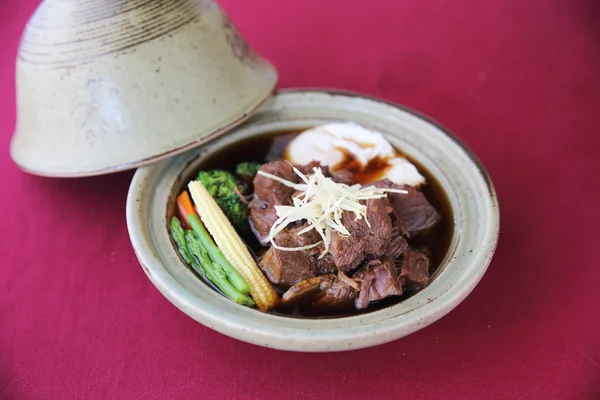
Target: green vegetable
(216,255)
(223,188)
(178,235)
(247,170)
(213,271)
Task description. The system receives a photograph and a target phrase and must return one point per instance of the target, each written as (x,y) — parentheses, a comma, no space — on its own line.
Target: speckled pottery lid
(108,86)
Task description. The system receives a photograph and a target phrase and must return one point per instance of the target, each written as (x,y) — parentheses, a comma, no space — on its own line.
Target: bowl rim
(183,299)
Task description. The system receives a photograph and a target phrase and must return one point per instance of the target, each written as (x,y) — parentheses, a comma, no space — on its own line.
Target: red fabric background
(518,80)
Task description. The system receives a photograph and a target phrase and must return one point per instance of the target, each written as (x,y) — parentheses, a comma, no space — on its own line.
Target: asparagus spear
(216,255)
(178,235)
(213,271)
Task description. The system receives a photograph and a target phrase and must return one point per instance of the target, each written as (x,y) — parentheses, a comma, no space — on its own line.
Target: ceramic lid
(107,86)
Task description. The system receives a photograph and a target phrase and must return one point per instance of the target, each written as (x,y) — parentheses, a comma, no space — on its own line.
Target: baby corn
(233,247)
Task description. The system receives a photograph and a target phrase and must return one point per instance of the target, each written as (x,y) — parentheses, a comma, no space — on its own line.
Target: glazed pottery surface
(463,178)
(109,85)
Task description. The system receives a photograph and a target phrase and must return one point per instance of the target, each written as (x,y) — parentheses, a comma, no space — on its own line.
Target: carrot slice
(185,207)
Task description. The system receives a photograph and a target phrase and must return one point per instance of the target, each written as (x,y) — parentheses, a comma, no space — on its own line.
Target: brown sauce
(373,171)
(271,147)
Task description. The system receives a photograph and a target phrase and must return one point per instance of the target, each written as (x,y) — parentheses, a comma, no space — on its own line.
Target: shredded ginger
(321,202)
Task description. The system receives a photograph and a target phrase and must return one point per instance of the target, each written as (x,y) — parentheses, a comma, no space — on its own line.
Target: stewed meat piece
(395,245)
(306,290)
(322,292)
(413,208)
(335,294)
(285,268)
(268,193)
(378,280)
(370,237)
(415,268)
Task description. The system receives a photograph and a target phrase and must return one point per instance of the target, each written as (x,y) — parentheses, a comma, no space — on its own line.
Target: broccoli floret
(247,170)
(222,187)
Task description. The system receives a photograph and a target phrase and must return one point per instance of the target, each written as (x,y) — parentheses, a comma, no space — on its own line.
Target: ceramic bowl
(461,175)
(109,85)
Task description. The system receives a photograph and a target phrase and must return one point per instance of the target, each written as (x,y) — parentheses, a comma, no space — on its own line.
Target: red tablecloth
(518,80)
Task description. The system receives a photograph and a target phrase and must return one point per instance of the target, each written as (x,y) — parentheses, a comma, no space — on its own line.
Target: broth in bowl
(327,222)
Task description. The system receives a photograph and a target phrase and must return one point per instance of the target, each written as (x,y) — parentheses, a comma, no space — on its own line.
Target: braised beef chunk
(378,280)
(325,264)
(306,290)
(337,294)
(309,168)
(269,193)
(271,190)
(396,220)
(415,268)
(322,292)
(343,176)
(364,240)
(413,208)
(394,246)
(347,252)
(285,268)
(262,217)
